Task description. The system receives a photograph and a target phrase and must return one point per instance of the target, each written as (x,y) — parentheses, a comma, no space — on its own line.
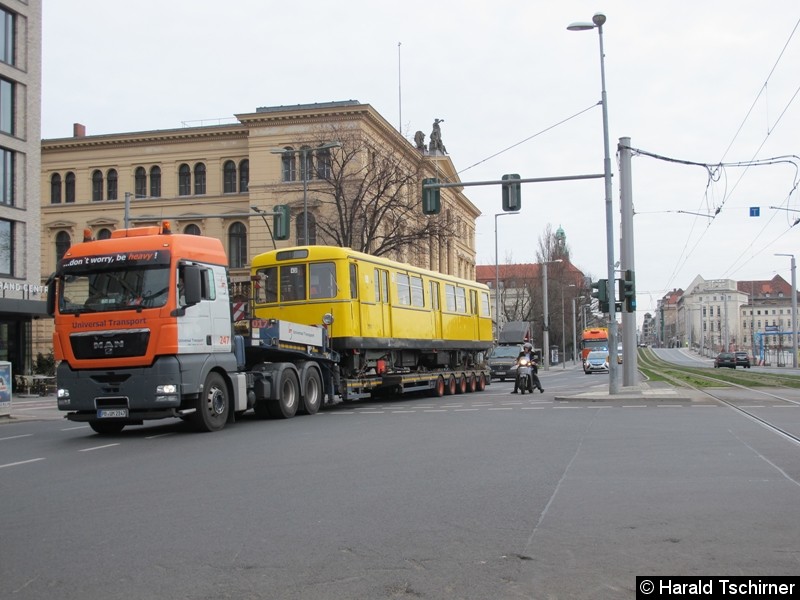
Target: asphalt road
(477,496)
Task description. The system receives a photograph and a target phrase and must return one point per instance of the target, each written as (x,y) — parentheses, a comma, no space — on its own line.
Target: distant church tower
(561,243)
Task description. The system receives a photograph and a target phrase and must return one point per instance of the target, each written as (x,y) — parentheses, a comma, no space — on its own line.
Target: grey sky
(706,81)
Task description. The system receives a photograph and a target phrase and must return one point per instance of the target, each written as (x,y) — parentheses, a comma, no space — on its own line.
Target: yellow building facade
(225,180)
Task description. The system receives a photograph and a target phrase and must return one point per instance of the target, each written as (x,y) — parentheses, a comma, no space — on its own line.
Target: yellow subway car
(386,315)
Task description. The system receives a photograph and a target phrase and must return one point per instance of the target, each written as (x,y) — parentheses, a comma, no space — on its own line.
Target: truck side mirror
(191,285)
(51,296)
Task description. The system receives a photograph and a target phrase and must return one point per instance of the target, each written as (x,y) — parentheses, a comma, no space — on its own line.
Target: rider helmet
(527,346)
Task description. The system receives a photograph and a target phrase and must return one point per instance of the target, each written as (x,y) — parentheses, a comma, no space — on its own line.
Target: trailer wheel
(213,404)
(285,407)
(472,383)
(481,382)
(462,383)
(312,392)
(106,427)
(451,385)
(438,387)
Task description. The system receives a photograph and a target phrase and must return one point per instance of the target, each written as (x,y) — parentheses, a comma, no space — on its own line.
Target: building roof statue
(436,144)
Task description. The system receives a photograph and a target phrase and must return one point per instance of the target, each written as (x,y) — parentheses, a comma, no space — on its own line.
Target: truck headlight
(167,393)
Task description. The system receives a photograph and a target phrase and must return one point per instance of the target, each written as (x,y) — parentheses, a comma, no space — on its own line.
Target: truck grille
(110,344)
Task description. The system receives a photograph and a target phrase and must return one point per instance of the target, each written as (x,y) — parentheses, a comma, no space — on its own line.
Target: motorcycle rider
(527,352)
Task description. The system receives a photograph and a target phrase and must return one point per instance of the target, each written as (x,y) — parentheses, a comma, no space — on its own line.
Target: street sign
(755,211)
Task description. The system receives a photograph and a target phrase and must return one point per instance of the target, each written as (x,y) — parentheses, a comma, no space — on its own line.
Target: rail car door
(382,300)
(436,311)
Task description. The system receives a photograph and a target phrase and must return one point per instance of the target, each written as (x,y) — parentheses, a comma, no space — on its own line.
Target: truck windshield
(114,289)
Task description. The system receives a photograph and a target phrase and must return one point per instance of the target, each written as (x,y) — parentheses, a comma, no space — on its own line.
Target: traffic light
(600,291)
(431,197)
(512,193)
(628,290)
(280,222)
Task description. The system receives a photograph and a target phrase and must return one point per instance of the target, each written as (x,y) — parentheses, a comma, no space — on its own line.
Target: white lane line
(16,437)
(22,462)
(436,410)
(466,410)
(74,428)
(98,447)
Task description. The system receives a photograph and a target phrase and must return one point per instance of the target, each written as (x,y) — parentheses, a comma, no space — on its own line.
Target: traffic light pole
(630,365)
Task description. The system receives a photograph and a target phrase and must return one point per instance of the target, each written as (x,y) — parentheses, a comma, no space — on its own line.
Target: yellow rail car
(386,314)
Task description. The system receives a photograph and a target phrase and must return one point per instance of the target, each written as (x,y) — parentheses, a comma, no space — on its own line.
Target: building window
(6,247)
(199,179)
(184,180)
(6,106)
(300,229)
(237,245)
(104,234)
(244,176)
(229,177)
(111,182)
(69,189)
(7,37)
(287,162)
(97,186)
(155,182)
(191,229)
(306,163)
(6,177)
(140,183)
(324,163)
(63,242)
(55,188)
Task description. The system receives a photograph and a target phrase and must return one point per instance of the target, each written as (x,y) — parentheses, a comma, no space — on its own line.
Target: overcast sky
(705,81)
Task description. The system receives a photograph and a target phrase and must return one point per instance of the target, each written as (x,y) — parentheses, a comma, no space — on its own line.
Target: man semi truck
(144,330)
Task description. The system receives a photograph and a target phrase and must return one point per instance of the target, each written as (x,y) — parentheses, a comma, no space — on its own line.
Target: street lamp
(575,328)
(794,310)
(304,152)
(497,276)
(546,311)
(598,20)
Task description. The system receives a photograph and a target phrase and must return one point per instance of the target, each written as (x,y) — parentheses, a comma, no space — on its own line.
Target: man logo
(108,347)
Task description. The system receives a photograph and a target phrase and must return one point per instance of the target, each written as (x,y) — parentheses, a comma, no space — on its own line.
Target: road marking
(427,410)
(98,447)
(501,408)
(14,437)
(74,428)
(465,409)
(22,462)
(158,435)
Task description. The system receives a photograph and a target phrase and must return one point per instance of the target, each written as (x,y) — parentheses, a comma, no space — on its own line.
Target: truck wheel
(472,383)
(451,385)
(438,388)
(106,427)
(481,382)
(213,404)
(285,407)
(462,383)
(312,392)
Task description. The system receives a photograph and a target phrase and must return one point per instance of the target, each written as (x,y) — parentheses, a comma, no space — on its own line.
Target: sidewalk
(30,407)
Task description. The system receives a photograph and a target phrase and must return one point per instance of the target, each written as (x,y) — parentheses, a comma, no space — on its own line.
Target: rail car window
(322,280)
(473,302)
(293,283)
(266,285)
(461,300)
(435,295)
(450,297)
(377,285)
(353,281)
(485,310)
(381,285)
(403,290)
(417,295)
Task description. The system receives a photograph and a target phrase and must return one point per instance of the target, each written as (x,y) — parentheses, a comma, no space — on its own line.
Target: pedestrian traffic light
(431,197)
(628,290)
(600,291)
(512,193)
(280,222)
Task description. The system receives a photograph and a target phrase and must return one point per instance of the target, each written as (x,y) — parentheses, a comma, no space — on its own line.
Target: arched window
(237,245)
(111,183)
(69,180)
(324,163)
(287,161)
(306,162)
(140,183)
(184,180)
(155,182)
(191,229)
(55,188)
(97,186)
(300,232)
(229,177)
(244,175)
(63,242)
(104,234)
(199,179)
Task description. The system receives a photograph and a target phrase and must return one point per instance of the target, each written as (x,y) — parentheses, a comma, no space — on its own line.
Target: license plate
(112,413)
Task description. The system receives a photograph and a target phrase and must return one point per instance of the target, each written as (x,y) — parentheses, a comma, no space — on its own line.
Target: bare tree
(372,202)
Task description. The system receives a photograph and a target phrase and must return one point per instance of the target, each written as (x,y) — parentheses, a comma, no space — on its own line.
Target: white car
(596,362)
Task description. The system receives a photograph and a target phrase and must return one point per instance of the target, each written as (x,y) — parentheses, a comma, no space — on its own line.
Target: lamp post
(546,311)
(794,310)
(304,152)
(598,20)
(563,329)
(497,276)
(575,328)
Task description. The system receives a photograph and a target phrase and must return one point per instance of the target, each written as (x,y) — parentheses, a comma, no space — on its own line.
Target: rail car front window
(322,280)
(110,283)
(287,283)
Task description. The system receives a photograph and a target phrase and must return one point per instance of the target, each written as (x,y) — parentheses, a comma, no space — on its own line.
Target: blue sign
(755,211)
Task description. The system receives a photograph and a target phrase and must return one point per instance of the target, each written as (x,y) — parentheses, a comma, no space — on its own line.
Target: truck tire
(285,407)
(481,382)
(451,385)
(438,388)
(472,383)
(106,427)
(462,384)
(312,392)
(213,404)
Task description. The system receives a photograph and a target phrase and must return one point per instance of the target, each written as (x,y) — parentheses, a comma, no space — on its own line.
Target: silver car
(596,362)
